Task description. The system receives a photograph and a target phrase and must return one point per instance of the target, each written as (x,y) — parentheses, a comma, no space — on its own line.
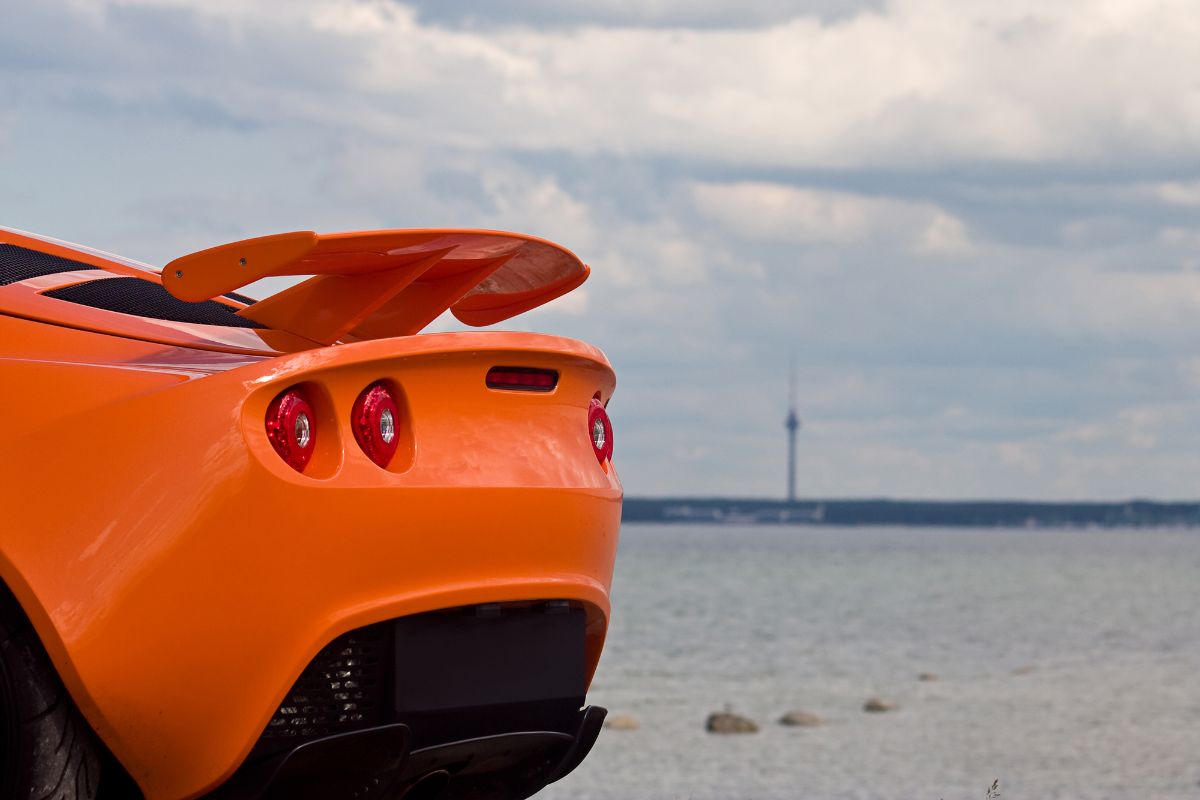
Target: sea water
(1067,664)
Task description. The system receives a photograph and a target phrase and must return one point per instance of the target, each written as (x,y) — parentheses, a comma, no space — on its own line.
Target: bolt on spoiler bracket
(380,284)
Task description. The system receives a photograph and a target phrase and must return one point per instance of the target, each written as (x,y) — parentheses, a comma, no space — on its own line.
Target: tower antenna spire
(792,381)
(792,423)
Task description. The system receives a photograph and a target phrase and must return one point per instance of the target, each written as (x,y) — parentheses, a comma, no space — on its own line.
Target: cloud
(921,82)
(914,84)
(1019,455)
(636,13)
(1180,193)
(774,212)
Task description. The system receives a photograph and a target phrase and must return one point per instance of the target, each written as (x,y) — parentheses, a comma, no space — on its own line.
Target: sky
(972,225)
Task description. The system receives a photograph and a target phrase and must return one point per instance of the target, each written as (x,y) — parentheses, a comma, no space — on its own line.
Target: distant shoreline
(946,513)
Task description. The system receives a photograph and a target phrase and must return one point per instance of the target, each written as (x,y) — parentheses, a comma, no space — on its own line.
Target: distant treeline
(1000,513)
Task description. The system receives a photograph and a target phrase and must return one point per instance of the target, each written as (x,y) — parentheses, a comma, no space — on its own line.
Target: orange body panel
(181,575)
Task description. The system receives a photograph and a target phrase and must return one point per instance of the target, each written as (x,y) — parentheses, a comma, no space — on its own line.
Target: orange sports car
(288,548)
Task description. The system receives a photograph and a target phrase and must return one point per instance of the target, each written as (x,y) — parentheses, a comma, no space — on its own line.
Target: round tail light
(292,428)
(600,431)
(376,420)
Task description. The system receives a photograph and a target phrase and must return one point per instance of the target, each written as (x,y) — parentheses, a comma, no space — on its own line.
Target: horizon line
(893,499)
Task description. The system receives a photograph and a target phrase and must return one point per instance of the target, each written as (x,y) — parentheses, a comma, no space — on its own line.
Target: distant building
(792,423)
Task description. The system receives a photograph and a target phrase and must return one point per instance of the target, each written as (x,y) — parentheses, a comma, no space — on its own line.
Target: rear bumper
(182,583)
(486,698)
(509,766)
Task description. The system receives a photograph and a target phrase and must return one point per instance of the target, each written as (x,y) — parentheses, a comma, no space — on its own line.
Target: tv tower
(792,424)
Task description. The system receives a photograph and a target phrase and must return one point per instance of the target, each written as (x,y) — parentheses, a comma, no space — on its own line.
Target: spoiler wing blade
(379,284)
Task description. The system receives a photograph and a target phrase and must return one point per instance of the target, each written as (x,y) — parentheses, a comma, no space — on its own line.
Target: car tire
(47,750)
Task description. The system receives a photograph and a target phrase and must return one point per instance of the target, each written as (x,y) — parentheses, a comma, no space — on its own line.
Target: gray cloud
(637,13)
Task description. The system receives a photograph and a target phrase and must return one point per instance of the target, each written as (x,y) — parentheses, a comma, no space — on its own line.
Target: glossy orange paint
(181,575)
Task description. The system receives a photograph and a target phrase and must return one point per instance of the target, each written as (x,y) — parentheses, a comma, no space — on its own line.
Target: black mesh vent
(241,298)
(345,688)
(144,298)
(21,263)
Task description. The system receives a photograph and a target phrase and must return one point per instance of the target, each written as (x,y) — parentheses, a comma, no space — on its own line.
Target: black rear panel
(449,675)
(21,264)
(143,298)
(488,655)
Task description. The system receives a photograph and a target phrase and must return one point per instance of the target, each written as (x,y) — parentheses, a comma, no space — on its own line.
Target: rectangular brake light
(522,379)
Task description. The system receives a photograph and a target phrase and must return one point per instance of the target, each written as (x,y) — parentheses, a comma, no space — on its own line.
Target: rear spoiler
(380,284)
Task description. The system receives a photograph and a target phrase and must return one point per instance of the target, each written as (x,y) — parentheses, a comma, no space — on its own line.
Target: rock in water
(928,676)
(621,722)
(727,722)
(877,705)
(800,719)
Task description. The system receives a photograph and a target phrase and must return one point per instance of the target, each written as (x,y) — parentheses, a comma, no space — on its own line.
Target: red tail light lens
(292,428)
(376,420)
(600,431)
(522,379)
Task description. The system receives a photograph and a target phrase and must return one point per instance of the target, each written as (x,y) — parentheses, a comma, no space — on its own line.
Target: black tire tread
(58,755)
